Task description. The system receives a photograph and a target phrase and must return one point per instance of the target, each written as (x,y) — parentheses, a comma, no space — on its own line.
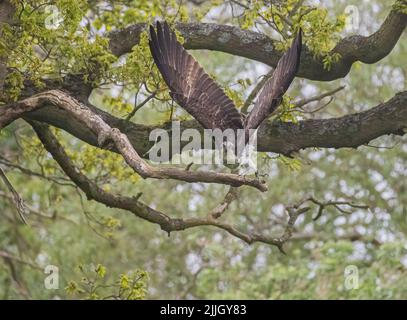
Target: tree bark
(6,17)
(259,47)
(350,131)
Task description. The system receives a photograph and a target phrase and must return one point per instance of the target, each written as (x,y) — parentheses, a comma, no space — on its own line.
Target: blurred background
(97,249)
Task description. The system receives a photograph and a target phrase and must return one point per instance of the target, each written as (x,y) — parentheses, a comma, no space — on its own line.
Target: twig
(140,105)
(319,108)
(36,212)
(255,91)
(7,255)
(303,102)
(267,21)
(381,147)
(29,172)
(322,205)
(18,201)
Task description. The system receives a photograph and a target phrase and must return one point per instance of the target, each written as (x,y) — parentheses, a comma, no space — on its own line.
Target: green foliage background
(107,253)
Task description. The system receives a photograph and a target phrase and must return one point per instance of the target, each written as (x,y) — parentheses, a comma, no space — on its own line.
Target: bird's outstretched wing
(190,86)
(274,89)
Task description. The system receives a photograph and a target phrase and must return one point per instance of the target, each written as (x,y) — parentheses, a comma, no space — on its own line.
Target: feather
(272,93)
(189,85)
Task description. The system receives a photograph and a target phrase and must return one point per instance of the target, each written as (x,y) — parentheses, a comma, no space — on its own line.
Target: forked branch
(107,135)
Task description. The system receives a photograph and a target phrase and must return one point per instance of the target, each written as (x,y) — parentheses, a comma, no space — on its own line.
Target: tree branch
(351,130)
(7,255)
(224,205)
(55,179)
(17,200)
(335,203)
(303,102)
(141,210)
(259,47)
(105,134)
(132,204)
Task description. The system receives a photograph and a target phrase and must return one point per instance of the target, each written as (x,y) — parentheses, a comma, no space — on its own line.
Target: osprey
(192,88)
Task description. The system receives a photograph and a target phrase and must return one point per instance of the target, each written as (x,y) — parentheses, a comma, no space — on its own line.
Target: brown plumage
(272,93)
(202,97)
(190,86)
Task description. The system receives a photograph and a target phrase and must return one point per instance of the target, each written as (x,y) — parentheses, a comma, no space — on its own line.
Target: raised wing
(271,95)
(190,86)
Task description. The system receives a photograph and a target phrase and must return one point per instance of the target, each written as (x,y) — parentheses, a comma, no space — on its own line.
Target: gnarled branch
(259,47)
(132,204)
(351,130)
(105,133)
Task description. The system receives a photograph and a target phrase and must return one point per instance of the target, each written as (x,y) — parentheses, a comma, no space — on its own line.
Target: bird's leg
(228,148)
(246,163)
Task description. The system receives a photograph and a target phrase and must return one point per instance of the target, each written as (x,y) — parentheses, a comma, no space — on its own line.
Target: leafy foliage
(94,285)
(94,246)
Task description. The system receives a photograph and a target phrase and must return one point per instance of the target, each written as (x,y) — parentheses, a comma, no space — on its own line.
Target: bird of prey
(202,97)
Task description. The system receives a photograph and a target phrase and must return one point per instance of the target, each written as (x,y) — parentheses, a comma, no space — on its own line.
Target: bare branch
(319,108)
(303,102)
(58,180)
(168,224)
(7,255)
(140,105)
(224,205)
(335,203)
(38,213)
(132,204)
(106,134)
(17,200)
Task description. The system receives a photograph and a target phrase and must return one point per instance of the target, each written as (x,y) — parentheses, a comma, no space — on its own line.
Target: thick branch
(168,224)
(257,46)
(105,134)
(280,137)
(132,204)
